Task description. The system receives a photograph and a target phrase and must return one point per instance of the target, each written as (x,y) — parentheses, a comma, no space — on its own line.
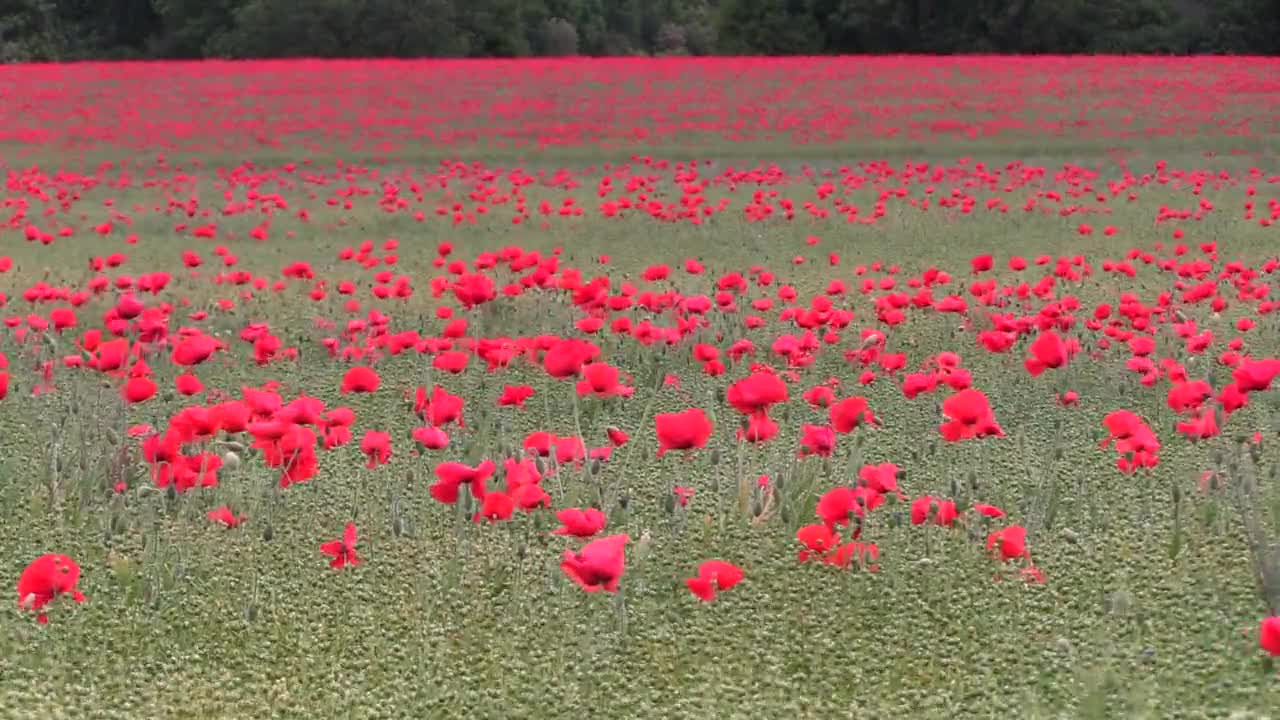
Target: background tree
(114,29)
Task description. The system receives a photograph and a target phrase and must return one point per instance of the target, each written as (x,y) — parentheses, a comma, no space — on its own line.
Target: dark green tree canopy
(185,29)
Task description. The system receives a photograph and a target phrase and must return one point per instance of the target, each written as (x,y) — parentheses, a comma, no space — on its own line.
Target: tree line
(64,30)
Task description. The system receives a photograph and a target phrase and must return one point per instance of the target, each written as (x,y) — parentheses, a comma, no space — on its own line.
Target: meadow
(734,388)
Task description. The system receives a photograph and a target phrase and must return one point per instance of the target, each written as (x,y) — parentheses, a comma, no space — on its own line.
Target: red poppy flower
(188,385)
(495,507)
(450,476)
(515,395)
(600,564)
(360,380)
(431,438)
(848,414)
(1136,443)
(942,512)
(713,576)
(342,551)
(223,516)
(45,579)
(601,380)
(817,440)
(1048,351)
(838,505)
(376,446)
(566,358)
(683,430)
(580,523)
(756,393)
(818,540)
(760,428)
(990,511)
(970,416)
(1009,543)
(617,437)
(1269,635)
(138,389)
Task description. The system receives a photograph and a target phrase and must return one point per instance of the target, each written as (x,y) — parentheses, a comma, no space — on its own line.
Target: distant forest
(64,30)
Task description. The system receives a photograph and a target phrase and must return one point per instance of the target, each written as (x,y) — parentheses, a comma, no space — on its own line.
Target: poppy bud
(955,490)
(595,466)
(624,501)
(669,503)
(231,461)
(268,533)
(757,508)
(397,526)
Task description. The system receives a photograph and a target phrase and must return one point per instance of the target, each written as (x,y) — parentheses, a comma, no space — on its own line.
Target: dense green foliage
(115,29)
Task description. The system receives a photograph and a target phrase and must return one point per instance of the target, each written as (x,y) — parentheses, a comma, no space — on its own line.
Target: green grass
(448,619)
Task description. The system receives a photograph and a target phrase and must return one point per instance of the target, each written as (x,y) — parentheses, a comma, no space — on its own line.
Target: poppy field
(901,387)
